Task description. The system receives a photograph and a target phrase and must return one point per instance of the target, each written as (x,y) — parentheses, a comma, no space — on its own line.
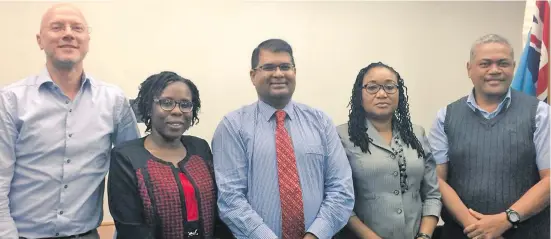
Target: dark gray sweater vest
(492,162)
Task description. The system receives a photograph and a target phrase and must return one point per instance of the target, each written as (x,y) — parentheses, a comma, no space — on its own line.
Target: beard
(65,64)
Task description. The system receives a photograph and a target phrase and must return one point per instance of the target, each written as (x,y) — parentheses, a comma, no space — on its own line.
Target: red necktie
(290,193)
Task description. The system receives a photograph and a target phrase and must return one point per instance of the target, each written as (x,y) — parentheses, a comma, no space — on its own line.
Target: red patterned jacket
(153,199)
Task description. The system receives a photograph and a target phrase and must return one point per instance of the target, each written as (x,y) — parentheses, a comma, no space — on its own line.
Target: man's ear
(252,73)
(39,41)
(468,68)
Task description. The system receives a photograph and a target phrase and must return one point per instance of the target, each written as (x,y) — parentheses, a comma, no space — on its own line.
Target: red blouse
(191,203)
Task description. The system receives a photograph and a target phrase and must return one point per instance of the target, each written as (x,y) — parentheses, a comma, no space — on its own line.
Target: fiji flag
(532,75)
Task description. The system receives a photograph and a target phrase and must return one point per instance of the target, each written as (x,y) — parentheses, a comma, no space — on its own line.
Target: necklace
(398,151)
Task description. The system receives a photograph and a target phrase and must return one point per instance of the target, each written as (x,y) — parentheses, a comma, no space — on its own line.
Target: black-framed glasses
(373,88)
(273,67)
(169,104)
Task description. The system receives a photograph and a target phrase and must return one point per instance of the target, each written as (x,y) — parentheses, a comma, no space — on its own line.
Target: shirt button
(70,135)
(396,192)
(57,234)
(66,102)
(399,211)
(65,186)
(70,110)
(395,173)
(60,212)
(392,156)
(68,160)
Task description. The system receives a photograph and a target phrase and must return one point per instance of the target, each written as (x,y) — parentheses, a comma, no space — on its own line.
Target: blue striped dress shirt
(54,154)
(246,171)
(439,141)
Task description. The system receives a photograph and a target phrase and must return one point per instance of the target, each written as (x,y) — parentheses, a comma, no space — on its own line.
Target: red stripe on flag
(543,74)
(543,80)
(534,40)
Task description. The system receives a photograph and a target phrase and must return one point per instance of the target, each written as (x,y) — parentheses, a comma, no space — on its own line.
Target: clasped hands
(480,226)
(310,236)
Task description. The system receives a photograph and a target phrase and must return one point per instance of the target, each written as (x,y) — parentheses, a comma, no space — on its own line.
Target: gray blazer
(380,203)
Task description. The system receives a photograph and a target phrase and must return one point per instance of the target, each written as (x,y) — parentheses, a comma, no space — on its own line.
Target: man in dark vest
(492,151)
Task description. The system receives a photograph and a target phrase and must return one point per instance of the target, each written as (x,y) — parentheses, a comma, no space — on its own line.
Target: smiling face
(168,123)
(491,69)
(63,36)
(275,86)
(380,94)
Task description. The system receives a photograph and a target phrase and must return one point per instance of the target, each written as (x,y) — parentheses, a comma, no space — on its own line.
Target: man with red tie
(280,168)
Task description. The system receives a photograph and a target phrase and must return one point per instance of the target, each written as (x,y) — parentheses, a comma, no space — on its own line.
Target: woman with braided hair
(395,183)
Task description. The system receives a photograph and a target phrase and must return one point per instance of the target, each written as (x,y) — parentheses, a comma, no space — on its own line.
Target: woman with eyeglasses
(162,185)
(395,184)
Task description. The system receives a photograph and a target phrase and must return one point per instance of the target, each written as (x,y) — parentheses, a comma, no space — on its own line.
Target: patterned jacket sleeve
(124,199)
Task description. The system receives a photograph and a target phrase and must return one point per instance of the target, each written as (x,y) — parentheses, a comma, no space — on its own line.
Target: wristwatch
(513,217)
(422,235)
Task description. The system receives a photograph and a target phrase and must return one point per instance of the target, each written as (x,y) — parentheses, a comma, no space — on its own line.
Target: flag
(532,75)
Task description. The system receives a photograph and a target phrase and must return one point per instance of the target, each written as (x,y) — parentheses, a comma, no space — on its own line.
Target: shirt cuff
(263,232)
(432,207)
(441,160)
(321,229)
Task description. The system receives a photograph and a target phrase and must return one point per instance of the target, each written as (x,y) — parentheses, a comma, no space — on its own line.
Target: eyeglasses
(373,88)
(273,67)
(169,104)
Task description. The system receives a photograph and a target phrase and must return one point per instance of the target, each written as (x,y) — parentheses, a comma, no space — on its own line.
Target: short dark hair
(273,45)
(152,88)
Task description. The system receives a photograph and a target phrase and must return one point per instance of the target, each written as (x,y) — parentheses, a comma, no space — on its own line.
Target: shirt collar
(376,137)
(369,126)
(505,102)
(44,78)
(267,111)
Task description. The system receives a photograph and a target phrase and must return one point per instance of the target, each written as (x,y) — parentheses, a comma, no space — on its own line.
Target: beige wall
(211,42)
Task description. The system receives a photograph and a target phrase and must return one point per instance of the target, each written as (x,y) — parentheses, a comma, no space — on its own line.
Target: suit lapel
(377,140)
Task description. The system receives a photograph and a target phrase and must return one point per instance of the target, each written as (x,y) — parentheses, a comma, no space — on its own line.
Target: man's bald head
(61,8)
(64,36)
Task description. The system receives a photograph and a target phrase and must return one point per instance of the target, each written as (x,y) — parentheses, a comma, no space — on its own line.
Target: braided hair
(152,88)
(357,116)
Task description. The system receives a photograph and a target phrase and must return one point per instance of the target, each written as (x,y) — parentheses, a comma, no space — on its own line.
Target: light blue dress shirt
(246,171)
(439,141)
(54,154)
